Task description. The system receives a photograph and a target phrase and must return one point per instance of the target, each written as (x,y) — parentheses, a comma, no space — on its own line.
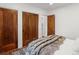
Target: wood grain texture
(9,26)
(51,24)
(25,26)
(30,27)
(33,26)
(1,26)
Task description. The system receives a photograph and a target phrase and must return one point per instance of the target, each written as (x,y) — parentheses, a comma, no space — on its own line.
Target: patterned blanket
(34,49)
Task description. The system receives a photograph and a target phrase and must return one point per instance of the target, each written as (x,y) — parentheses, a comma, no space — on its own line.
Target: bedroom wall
(24,7)
(67,21)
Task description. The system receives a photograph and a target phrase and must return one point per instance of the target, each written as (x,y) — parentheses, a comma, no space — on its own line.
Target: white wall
(67,21)
(27,8)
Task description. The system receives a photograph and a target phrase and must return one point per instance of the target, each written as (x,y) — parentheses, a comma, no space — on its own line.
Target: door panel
(25,28)
(33,26)
(30,27)
(9,32)
(1,26)
(51,24)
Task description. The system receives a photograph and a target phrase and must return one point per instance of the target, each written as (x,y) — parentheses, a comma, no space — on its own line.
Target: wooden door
(51,24)
(9,30)
(25,26)
(33,26)
(30,27)
(1,27)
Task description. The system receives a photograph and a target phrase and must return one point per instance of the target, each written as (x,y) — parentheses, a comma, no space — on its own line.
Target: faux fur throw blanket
(35,46)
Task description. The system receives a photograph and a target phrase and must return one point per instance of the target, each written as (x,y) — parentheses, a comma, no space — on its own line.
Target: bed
(42,46)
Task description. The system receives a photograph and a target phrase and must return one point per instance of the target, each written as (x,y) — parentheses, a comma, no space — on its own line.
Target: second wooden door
(30,27)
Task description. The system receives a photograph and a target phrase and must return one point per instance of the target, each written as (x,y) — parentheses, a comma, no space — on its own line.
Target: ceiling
(47,6)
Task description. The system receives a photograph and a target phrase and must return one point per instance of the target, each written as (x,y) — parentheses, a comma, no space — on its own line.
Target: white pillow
(76,45)
(67,45)
(66,48)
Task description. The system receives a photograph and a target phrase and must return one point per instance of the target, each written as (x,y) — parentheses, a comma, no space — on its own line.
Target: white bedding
(69,47)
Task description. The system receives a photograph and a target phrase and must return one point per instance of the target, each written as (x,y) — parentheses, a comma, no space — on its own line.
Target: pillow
(67,44)
(76,45)
(66,48)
